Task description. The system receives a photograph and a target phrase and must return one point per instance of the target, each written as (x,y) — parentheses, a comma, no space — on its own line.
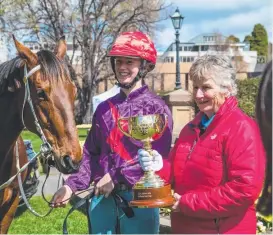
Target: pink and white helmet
(134,44)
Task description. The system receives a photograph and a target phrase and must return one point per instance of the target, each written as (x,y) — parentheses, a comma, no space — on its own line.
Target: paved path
(51,184)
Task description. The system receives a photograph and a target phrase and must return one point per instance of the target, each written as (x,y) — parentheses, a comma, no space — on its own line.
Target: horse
(264,118)
(37,93)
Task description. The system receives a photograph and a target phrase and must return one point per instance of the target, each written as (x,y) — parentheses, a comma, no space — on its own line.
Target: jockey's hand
(177,198)
(149,162)
(62,196)
(105,186)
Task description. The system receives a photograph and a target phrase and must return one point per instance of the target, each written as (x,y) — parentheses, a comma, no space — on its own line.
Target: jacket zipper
(192,148)
(217,220)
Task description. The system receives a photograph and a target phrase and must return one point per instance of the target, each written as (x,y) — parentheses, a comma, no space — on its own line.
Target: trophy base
(152,197)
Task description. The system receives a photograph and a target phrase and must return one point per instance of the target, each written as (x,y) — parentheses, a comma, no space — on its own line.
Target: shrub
(247,93)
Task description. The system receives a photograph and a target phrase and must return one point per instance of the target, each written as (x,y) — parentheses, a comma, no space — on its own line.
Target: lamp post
(177,20)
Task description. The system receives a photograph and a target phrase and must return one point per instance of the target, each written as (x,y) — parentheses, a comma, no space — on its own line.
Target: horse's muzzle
(65,165)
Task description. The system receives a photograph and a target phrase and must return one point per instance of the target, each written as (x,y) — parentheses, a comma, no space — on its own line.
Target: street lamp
(177,20)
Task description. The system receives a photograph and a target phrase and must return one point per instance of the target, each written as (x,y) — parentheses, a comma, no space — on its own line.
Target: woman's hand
(105,186)
(176,204)
(62,196)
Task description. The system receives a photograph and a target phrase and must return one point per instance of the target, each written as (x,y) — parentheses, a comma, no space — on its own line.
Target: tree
(232,39)
(92,25)
(248,39)
(259,40)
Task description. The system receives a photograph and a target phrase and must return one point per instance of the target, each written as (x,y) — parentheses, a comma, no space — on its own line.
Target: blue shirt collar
(205,121)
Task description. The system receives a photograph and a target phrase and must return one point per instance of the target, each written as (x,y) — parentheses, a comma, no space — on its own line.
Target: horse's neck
(10,122)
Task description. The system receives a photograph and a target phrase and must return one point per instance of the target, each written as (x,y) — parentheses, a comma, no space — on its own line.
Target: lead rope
(21,186)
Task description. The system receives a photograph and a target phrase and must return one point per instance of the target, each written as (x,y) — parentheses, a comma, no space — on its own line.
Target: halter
(46,149)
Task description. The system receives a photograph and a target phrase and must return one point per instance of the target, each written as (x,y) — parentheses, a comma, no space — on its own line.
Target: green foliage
(264,224)
(248,38)
(233,39)
(27,223)
(247,93)
(259,40)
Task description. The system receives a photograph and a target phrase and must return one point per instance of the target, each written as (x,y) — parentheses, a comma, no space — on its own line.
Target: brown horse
(50,115)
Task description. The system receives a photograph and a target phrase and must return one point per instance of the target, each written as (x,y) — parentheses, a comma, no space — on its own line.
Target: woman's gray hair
(220,69)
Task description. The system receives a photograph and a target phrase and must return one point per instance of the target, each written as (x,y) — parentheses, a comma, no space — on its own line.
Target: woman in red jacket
(217,165)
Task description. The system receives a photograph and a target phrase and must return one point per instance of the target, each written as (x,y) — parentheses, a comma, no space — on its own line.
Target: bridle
(46,149)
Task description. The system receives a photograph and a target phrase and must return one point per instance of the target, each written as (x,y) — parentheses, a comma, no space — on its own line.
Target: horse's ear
(25,53)
(60,49)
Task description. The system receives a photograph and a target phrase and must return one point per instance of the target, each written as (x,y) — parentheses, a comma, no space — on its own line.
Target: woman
(110,158)
(217,165)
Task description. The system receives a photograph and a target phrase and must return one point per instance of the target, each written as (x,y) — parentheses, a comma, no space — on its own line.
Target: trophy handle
(160,132)
(165,123)
(120,126)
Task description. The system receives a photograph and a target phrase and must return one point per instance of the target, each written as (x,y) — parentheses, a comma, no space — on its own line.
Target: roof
(200,38)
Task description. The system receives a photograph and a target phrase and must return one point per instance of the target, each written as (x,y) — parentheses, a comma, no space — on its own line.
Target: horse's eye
(41,94)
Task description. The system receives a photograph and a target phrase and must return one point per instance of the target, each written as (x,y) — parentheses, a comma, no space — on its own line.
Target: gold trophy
(150,191)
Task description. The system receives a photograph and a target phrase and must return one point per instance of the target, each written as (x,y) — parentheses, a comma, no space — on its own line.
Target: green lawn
(82,132)
(35,140)
(27,223)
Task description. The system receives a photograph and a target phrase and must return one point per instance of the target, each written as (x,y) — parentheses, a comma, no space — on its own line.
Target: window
(204,48)
(185,48)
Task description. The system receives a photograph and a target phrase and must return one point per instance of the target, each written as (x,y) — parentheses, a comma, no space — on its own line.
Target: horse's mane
(51,68)
(8,70)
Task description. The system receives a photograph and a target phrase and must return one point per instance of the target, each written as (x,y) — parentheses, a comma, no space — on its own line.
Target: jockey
(109,157)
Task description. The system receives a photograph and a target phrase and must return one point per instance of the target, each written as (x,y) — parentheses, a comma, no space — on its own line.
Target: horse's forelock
(51,66)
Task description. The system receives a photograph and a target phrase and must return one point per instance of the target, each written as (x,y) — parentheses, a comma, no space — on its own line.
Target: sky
(236,17)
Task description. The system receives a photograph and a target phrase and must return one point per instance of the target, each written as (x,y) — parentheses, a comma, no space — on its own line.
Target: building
(163,77)
(212,43)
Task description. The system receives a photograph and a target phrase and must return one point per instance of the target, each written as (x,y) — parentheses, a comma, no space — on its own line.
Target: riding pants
(105,216)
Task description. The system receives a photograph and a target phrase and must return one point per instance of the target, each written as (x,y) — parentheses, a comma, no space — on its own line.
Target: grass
(26,223)
(82,132)
(35,140)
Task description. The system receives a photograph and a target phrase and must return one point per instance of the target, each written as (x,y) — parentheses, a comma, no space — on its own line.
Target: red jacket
(218,174)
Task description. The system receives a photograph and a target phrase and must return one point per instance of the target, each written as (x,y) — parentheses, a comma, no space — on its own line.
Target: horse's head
(53,94)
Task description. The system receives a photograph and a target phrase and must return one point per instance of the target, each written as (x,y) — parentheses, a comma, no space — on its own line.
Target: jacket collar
(134,94)
(228,106)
